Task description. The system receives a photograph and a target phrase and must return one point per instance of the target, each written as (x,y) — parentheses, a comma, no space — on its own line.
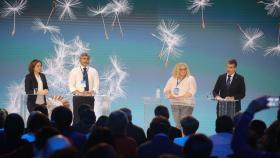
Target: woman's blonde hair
(176,70)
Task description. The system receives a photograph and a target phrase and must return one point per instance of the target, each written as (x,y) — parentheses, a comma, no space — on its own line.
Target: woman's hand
(42,92)
(187,94)
(46,92)
(171,96)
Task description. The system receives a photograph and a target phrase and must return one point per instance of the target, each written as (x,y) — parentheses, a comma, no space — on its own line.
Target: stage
(136,52)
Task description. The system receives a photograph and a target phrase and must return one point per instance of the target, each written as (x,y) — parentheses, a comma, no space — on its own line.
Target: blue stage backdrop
(205,50)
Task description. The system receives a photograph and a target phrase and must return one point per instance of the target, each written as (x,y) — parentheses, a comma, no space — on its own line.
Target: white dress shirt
(40,98)
(188,84)
(76,78)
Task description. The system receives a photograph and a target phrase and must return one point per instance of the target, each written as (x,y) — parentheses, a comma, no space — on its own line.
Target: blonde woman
(180,90)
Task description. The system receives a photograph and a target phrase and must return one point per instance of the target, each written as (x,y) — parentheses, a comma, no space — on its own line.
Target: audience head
(101,150)
(13,126)
(62,117)
(118,122)
(56,143)
(43,109)
(271,139)
(3,115)
(36,121)
(70,152)
(102,121)
(127,111)
(43,134)
(86,115)
(258,126)
(198,146)
(100,135)
(189,125)
(161,110)
(224,124)
(159,124)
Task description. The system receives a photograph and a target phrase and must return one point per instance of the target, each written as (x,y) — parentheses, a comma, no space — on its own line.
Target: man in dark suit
(230,85)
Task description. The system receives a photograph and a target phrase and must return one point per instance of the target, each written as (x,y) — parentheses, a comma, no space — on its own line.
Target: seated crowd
(116,136)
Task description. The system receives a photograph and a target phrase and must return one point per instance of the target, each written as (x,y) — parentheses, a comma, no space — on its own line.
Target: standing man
(230,86)
(83,84)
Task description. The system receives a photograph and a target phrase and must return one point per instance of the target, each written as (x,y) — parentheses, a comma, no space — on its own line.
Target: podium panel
(226,108)
(150,103)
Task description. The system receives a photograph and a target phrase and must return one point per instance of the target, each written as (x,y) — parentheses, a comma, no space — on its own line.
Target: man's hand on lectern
(229,98)
(88,93)
(218,97)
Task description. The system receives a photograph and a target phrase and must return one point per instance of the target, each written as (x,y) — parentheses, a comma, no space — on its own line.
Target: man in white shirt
(83,84)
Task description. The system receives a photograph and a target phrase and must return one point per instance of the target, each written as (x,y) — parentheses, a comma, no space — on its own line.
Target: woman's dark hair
(33,64)
(14,126)
(62,117)
(36,121)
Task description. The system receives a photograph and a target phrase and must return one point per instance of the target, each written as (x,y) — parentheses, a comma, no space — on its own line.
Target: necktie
(85,78)
(228,81)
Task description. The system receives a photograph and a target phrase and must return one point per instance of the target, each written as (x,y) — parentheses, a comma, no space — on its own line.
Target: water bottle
(157,93)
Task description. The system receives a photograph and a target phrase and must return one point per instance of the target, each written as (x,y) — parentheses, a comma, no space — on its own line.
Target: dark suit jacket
(31,84)
(136,133)
(236,88)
